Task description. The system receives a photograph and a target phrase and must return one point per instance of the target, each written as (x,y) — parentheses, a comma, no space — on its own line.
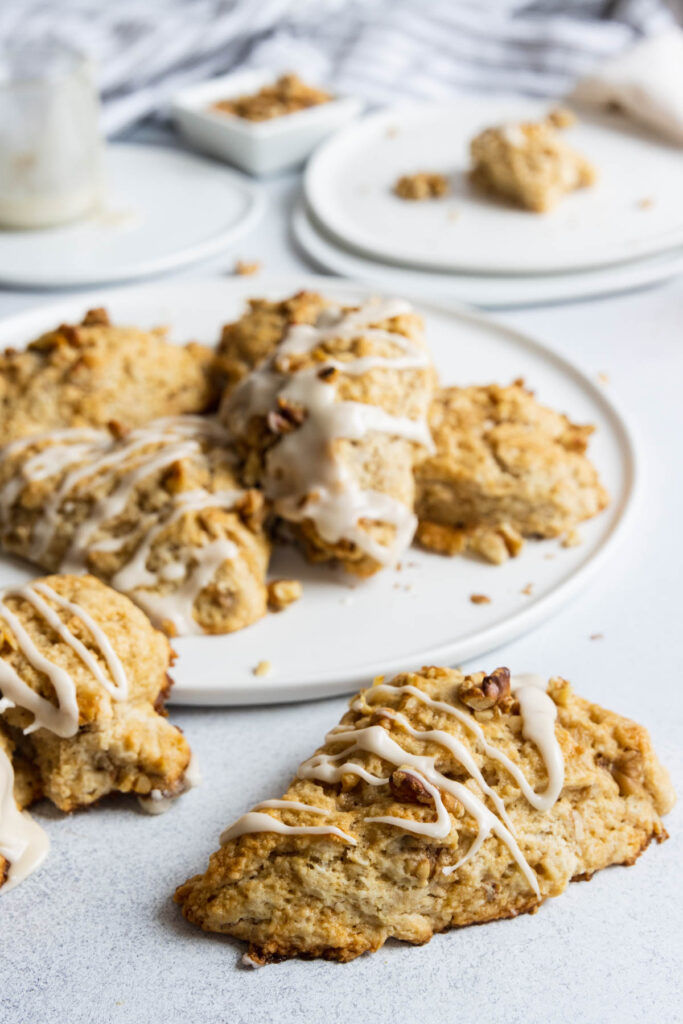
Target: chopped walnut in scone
(440,800)
(331,423)
(83,679)
(530,164)
(157,513)
(505,467)
(424,185)
(93,373)
(288,95)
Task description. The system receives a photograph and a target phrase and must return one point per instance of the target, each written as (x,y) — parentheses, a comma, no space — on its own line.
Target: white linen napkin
(645,82)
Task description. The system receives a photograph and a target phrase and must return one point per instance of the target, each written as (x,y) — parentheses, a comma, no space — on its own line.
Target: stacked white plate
(623,233)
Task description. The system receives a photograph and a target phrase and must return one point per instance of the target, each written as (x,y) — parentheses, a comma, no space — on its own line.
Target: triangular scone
(505,467)
(156,512)
(331,424)
(92,373)
(530,164)
(83,679)
(440,800)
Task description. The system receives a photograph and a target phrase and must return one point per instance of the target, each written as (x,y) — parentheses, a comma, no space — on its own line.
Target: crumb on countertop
(424,185)
(603,378)
(264,668)
(480,599)
(282,593)
(646,204)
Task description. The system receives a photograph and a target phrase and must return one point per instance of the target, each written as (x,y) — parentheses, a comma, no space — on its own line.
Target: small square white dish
(259,147)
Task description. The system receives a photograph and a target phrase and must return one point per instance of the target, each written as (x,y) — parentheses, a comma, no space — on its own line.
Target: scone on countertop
(331,423)
(440,800)
(157,513)
(83,679)
(529,164)
(505,467)
(93,373)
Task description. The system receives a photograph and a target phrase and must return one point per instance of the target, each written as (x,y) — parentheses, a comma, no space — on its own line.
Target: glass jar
(50,153)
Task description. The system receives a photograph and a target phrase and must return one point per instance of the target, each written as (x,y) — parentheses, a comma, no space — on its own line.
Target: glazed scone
(505,467)
(157,513)
(83,678)
(331,424)
(246,343)
(529,164)
(94,373)
(441,800)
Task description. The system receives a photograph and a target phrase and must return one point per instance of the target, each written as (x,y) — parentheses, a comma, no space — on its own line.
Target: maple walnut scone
(93,373)
(157,513)
(440,800)
(83,678)
(529,164)
(505,467)
(331,424)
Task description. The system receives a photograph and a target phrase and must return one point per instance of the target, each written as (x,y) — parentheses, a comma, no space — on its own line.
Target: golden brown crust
(505,467)
(318,896)
(529,164)
(121,745)
(93,373)
(424,185)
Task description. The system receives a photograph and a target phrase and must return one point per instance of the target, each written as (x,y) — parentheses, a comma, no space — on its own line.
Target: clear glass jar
(50,152)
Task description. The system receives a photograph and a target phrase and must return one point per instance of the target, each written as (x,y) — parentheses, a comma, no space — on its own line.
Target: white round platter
(162,209)
(635,209)
(487,291)
(343,632)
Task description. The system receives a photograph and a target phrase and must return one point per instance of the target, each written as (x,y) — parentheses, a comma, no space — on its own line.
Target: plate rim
(371,249)
(271,691)
(312,240)
(184,257)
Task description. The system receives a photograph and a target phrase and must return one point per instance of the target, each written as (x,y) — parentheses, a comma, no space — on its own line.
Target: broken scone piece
(529,164)
(440,800)
(92,373)
(83,678)
(424,185)
(157,513)
(331,424)
(505,467)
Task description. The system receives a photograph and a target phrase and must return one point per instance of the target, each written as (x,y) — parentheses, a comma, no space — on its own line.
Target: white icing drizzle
(302,475)
(158,801)
(95,456)
(538,713)
(256,821)
(23,843)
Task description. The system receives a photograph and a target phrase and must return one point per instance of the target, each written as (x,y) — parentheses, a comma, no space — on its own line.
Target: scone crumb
(561,118)
(597,636)
(423,185)
(572,539)
(480,599)
(527,590)
(378,680)
(646,204)
(603,378)
(264,668)
(244,268)
(282,593)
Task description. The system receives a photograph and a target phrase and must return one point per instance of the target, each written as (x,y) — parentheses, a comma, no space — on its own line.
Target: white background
(93,937)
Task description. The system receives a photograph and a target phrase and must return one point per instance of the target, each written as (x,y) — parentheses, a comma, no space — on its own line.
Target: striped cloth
(383,50)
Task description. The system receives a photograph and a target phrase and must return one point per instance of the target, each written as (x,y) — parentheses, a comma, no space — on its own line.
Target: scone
(246,343)
(505,467)
(83,678)
(331,424)
(529,164)
(94,373)
(441,800)
(157,513)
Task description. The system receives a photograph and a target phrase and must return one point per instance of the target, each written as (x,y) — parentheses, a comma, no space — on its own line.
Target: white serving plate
(260,147)
(487,291)
(349,182)
(162,210)
(343,632)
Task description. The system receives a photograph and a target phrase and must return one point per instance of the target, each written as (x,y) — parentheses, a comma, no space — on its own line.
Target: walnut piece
(282,593)
(407,788)
(482,692)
